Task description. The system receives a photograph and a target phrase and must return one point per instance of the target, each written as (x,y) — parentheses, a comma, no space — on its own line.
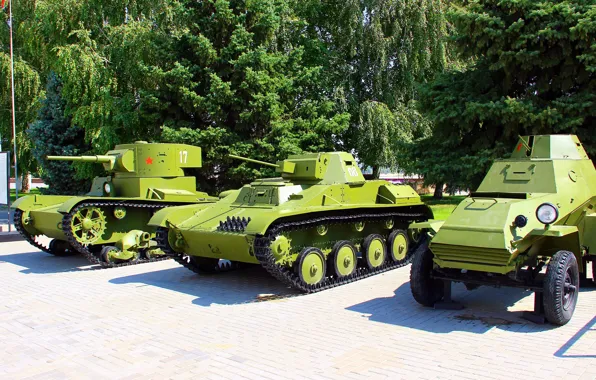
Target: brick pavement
(58,319)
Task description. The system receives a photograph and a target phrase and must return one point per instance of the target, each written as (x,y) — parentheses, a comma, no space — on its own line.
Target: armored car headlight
(547,213)
(107,188)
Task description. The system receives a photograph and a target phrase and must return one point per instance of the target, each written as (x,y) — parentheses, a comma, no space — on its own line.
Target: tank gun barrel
(254,161)
(100,158)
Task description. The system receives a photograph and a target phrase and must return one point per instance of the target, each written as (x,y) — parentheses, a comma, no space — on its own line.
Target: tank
(531,224)
(319,225)
(109,224)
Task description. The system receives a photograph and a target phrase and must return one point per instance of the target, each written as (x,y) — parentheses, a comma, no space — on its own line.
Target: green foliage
(376,52)
(241,83)
(53,134)
(534,73)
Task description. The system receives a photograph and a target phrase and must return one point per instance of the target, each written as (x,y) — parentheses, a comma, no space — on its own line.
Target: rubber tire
(553,287)
(104,253)
(332,264)
(365,246)
(594,270)
(302,255)
(425,290)
(390,240)
(61,248)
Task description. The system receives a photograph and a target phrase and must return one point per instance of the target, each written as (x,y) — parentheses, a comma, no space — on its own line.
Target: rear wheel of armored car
(374,251)
(426,290)
(343,259)
(61,248)
(310,266)
(561,287)
(398,246)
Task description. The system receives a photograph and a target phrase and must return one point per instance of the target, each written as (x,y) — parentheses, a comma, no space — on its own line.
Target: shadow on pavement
(485,308)
(37,262)
(563,352)
(245,285)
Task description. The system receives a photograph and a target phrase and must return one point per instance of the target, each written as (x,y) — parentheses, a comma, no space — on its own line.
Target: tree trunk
(438,191)
(376,172)
(26,184)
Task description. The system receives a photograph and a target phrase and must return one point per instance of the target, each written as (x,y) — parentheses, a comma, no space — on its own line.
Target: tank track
(18,224)
(287,275)
(84,250)
(162,242)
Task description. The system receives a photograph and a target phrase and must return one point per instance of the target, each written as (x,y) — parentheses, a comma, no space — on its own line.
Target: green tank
(109,224)
(531,224)
(319,225)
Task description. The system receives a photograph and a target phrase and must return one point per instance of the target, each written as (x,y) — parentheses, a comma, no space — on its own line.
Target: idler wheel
(311,266)
(398,246)
(561,287)
(374,251)
(61,248)
(343,258)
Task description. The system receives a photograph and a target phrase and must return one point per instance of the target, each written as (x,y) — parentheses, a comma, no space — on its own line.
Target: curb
(6,237)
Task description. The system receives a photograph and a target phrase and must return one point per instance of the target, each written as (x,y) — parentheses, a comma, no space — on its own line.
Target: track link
(289,277)
(84,249)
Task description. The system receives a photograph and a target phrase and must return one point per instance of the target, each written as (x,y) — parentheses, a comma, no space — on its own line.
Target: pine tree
(533,72)
(53,134)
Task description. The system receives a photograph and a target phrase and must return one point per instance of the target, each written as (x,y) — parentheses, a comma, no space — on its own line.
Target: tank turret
(320,168)
(144,160)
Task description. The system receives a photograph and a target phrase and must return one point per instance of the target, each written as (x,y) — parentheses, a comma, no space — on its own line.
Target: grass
(442,208)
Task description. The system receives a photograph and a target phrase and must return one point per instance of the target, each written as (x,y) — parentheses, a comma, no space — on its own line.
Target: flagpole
(14,123)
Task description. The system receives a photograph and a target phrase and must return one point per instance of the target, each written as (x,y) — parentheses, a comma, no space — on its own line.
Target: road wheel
(311,266)
(374,251)
(426,290)
(561,288)
(398,246)
(343,259)
(61,248)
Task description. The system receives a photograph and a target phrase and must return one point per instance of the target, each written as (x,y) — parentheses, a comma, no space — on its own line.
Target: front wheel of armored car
(561,288)
(426,290)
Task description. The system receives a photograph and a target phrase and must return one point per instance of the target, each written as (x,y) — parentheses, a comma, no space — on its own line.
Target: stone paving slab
(60,318)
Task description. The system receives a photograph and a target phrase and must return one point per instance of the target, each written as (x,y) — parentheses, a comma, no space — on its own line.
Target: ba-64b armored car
(109,224)
(532,211)
(319,225)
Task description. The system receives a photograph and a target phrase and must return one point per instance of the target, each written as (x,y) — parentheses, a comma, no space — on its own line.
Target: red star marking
(519,147)
(149,161)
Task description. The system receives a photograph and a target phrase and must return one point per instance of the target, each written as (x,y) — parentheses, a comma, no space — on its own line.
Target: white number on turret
(183,156)
(352,171)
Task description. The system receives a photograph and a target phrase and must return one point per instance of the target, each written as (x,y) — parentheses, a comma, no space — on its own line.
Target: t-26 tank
(109,224)
(318,226)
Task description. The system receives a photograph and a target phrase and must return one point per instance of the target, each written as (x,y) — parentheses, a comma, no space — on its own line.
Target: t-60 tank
(109,224)
(320,225)
(533,211)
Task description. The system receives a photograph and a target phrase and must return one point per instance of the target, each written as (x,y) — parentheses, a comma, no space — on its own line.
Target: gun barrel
(254,161)
(100,159)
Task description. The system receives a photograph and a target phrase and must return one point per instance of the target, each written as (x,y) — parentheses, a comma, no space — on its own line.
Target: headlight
(547,213)
(107,188)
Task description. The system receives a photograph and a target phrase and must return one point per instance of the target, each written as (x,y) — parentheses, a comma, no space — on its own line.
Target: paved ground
(159,320)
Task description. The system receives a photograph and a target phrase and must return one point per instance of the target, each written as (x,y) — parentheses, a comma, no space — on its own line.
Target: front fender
(68,205)
(433,225)
(33,202)
(176,214)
